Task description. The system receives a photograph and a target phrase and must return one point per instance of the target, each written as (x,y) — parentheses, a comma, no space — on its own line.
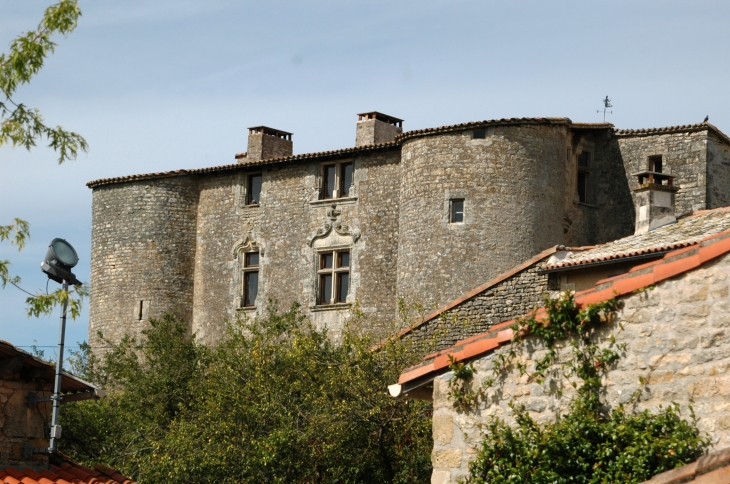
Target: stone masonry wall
(508,299)
(282,226)
(718,172)
(678,339)
(684,155)
(20,424)
(142,252)
(515,189)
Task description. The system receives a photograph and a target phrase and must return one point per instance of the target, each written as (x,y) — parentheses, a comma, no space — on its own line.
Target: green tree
(24,126)
(274,401)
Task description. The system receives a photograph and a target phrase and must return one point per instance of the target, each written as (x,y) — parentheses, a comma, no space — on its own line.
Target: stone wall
(515,188)
(285,227)
(20,424)
(684,155)
(511,298)
(142,254)
(677,339)
(718,172)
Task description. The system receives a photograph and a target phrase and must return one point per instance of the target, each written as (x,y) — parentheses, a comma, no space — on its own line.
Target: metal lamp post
(60,259)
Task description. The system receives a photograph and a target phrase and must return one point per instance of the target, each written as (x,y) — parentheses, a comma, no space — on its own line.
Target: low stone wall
(677,336)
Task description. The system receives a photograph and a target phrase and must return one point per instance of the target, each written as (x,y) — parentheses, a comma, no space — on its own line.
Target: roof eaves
(478,124)
(682,128)
(674,263)
(243,165)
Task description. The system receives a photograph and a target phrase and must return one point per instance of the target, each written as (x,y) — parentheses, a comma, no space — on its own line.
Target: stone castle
(426,214)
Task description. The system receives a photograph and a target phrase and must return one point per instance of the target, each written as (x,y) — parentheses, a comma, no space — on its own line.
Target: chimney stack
(375,127)
(654,201)
(265,143)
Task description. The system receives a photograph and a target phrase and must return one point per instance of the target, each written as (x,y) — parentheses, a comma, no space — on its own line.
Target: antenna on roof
(606,104)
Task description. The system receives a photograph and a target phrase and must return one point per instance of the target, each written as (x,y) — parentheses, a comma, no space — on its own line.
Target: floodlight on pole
(60,258)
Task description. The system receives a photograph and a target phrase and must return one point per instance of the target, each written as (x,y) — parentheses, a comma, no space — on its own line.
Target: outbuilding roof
(687,231)
(31,366)
(66,472)
(670,265)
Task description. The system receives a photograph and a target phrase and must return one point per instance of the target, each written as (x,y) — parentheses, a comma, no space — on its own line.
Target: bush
(275,401)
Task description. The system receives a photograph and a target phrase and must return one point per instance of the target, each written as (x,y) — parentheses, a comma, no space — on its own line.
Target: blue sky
(162,85)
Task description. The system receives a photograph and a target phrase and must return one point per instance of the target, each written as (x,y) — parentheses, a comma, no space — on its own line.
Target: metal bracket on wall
(29,451)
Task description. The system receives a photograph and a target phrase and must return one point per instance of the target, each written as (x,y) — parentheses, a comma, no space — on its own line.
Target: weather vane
(606,104)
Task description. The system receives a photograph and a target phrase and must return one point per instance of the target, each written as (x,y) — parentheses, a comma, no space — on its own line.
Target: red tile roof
(672,264)
(64,473)
(683,128)
(709,469)
(479,124)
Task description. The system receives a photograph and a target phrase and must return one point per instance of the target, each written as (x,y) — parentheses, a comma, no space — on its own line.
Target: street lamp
(60,258)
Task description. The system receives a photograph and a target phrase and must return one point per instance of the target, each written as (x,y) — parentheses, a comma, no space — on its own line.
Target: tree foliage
(590,442)
(21,125)
(274,401)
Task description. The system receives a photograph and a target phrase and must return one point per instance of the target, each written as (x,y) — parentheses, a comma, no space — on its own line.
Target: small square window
(456,210)
(253,190)
(480,133)
(655,163)
(584,159)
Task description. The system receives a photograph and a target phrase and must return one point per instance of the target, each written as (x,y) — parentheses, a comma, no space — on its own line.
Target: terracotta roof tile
(709,469)
(683,128)
(670,265)
(68,472)
(686,232)
(345,151)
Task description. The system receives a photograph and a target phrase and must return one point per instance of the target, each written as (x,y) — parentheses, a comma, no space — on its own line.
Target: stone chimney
(375,127)
(265,143)
(654,201)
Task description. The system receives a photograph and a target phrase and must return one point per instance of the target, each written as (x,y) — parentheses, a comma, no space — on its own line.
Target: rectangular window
(253,190)
(655,163)
(584,159)
(582,187)
(456,210)
(336,180)
(334,277)
(250,278)
(480,133)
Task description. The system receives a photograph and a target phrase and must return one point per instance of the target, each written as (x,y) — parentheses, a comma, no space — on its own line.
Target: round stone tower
(476,200)
(142,254)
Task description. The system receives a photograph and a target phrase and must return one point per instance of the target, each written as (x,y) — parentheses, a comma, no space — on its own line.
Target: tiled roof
(682,128)
(708,469)
(687,231)
(235,166)
(69,383)
(672,264)
(479,124)
(64,473)
(468,295)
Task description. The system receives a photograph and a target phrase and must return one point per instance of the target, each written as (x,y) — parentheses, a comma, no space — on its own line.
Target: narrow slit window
(345,179)
(253,190)
(456,215)
(582,187)
(250,278)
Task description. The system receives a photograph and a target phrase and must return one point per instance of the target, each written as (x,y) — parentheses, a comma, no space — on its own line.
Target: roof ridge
(672,129)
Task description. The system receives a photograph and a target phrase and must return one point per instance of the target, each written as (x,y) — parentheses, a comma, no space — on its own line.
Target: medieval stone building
(428,214)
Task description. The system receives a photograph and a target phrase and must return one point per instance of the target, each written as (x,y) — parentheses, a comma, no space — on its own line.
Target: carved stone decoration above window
(335,225)
(247,243)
